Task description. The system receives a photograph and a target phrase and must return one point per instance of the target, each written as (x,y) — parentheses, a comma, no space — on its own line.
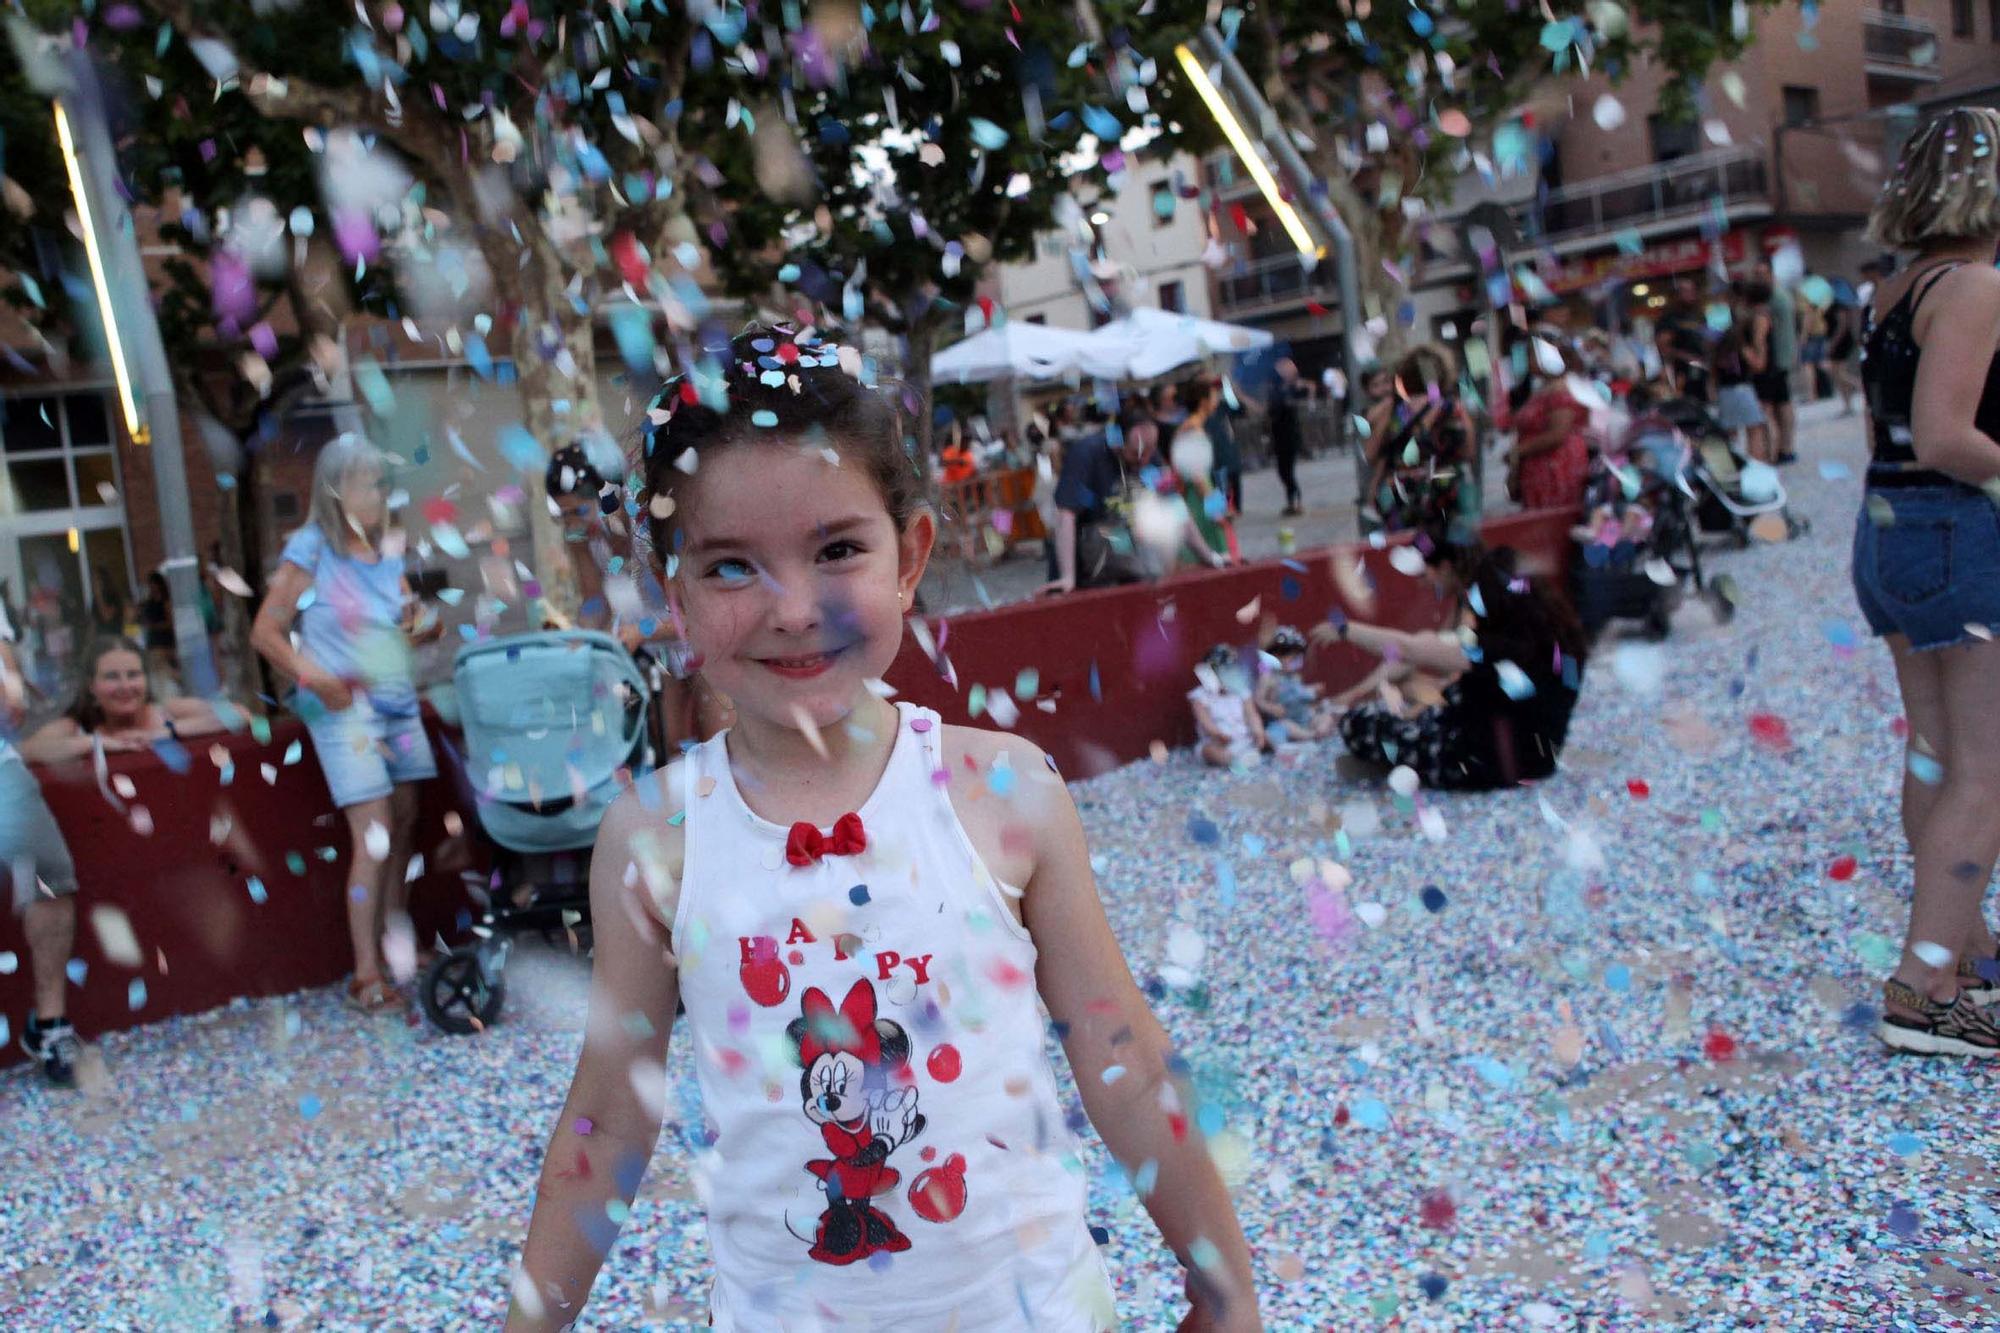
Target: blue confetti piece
(1433,898)
(1493,1071)
(1096,685)
(1905,1144)
(1103,124)
(1369,1113)
(1433,1285)
(309,1106)
(1225,883)
(1619,978)
(858,895)
(522,449)
(257,892)
(293,753)
(986,134)
(76,969)
(1289,588)
(1253,845)
(1925,769)
(1902,1222)
(172,753)
(135,994)
(1839,633)
(1203,831)
(1832,471)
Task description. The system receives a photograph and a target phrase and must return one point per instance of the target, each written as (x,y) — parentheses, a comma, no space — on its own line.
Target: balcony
(1226,175)
(1263,284)
(1896,49)
(1646,197)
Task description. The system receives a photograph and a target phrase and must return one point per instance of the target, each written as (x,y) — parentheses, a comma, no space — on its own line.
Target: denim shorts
(33,856)
(1927,563)
(365,753)
(1737,407)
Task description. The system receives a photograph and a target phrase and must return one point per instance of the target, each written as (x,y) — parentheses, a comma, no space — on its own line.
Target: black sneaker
(55,1047)
(1958,1028)
(1979,979)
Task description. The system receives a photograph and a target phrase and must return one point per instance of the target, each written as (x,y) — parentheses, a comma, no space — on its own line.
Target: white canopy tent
(1147,342)
(1030,351)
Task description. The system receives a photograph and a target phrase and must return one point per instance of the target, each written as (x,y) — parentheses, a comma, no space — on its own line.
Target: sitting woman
(115,709)
(1513,668)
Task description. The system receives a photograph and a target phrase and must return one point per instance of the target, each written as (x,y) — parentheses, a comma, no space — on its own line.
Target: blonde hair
(1946,185)
(339,458)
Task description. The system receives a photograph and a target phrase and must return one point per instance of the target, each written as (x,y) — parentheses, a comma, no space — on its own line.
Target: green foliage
(935,148)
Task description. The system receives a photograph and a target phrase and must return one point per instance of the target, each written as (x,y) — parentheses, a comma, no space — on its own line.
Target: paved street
(1615,1072)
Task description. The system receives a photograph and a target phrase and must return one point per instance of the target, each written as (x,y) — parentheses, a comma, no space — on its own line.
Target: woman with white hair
(340,582)
(1927,563)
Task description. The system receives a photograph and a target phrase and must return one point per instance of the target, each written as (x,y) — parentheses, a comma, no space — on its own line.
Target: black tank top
(1889,354)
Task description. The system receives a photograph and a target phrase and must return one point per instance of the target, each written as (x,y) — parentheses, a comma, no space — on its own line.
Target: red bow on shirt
(807,844)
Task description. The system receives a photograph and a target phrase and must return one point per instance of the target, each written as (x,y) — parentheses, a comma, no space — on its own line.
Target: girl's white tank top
(888,1148)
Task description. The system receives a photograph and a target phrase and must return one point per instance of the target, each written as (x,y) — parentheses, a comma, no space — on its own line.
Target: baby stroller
(550,719)
(1643,490)
(1722,503)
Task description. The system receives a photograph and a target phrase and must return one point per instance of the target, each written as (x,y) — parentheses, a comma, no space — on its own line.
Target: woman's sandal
(373,995)
(1937,1028)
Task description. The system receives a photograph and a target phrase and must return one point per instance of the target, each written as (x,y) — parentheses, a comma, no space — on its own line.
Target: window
(1961,18)
(1164,203)
(1173,298)
(62,521)
(1890,6)
(1802,104)
(1671,139)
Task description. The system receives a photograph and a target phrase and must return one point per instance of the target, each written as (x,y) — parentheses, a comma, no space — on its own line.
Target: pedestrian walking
(1289,395)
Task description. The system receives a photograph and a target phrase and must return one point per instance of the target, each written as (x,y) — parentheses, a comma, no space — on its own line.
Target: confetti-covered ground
(1595,1056)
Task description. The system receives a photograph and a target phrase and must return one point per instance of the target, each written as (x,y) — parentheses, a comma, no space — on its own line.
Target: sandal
(372,995)
(1979,979)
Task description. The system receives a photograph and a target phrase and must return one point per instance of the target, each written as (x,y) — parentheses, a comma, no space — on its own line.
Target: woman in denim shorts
(343,584)
(1927,563)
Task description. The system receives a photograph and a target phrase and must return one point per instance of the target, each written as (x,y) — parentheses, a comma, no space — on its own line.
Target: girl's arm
(1134,1088)
(193,717)
(1427,651)
(1203,723)
(1266,696)
(608,1126)
(433,630)
(271,636)
(56,741)
(1256,722)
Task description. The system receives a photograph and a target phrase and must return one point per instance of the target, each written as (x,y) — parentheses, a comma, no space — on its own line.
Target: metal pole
(1302,181)
(132,304)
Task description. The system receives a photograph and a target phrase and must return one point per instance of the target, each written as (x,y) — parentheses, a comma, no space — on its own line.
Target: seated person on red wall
(1504,713)
(114,708)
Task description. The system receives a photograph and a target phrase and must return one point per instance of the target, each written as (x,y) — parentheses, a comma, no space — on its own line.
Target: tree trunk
(555,360)
(921,338)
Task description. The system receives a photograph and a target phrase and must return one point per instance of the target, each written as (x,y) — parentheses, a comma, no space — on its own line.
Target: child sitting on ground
(1231,733)
(1293,710)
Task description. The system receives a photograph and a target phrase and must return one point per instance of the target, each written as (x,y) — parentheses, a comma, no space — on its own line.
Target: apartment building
(1790,145)
(1149,237)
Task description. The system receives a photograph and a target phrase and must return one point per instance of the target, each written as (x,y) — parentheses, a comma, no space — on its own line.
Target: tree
(1391,103)
(900,160)
(539,143)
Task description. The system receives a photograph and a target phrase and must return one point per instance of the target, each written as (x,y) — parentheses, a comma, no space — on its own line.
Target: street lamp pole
(140,358)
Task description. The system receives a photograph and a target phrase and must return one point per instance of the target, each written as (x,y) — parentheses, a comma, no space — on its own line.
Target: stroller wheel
(460,994)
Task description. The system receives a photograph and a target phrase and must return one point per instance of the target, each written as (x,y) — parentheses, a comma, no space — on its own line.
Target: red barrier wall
(1144,641)
(182,883)
(180,873)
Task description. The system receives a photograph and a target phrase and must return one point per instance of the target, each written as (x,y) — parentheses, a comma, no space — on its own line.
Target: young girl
(864,911)
(1230,732)
(356,691)
(1293,709)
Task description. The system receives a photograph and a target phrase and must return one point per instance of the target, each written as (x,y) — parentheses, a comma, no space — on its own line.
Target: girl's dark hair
(83,709)
(771,385)
(1520,617)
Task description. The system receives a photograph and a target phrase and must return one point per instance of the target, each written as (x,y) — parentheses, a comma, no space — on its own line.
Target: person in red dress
(1552,445)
